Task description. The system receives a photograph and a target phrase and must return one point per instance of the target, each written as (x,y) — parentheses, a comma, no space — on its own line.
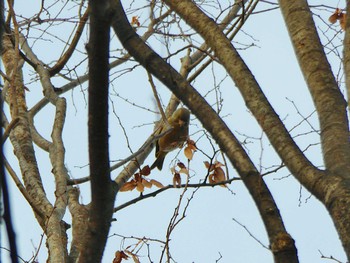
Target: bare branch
(66,56)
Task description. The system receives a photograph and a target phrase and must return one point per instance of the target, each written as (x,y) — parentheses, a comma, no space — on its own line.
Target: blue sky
(208,229)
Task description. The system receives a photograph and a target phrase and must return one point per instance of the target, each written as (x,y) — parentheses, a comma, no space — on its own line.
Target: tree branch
(102,187)
(328,100)
(66,56)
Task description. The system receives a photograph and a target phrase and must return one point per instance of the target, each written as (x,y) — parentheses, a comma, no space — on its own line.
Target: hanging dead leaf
(145,170)
(119,256)
(177,180)
(338,15)
(211,179)
(183,171)
(146,183)
(140,187)
(135,21)
(128,186)
(217,174)
(192,145)
(137,177)
(180,165)
(190,149)
(156,183)
(140,182)
(188,153)
(209,166)
(220,176)
(334,17)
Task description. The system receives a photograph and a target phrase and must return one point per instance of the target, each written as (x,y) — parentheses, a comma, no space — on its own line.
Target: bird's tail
(159,161)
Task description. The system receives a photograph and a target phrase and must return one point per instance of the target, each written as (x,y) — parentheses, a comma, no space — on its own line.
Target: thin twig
(155,93)
(250,233)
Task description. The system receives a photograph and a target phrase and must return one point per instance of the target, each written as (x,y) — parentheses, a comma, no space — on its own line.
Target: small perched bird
(179,121)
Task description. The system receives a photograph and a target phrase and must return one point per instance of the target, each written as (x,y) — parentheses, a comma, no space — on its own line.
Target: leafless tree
(114,45)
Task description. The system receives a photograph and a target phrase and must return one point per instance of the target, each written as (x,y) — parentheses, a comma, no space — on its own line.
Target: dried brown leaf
(156,183)
(145,170)
(177,180)
(188,153)
(140,187)
(209,166)
(180,165)
(183,171)
(211,179)
(128,186)
(137,177)
(333,18)
(192,145)
(220,175)
(135,21)
(119,256)
(146,183)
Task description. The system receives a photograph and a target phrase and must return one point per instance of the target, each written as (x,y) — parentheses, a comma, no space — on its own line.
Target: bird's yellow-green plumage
(179,121)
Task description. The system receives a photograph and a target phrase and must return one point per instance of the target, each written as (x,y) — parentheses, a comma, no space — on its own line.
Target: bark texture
(102,199)
(49,217)
(329,102)
(331,109)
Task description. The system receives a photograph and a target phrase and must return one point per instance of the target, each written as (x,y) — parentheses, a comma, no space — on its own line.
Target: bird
(179,122)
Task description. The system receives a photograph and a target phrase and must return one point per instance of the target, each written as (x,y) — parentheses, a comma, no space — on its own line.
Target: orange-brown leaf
(145,170)
(137,177)
(191,144)
(156,183)
(119,256)
(209,166)
(128,186)
(140,187)
(177,180)
(181,165)
(146,183)
(220,174)
(211,179)
(135,21)
(188,153)
(333,18)
(183,171)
